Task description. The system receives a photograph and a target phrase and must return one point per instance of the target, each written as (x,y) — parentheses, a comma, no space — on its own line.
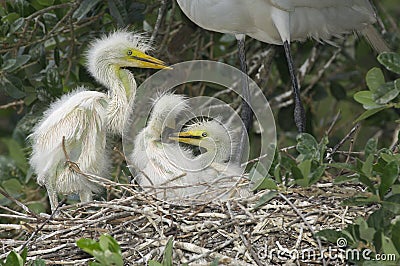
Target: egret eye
(129,52)
(204,134)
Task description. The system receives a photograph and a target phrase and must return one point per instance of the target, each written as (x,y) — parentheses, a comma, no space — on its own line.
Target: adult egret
(174,173)
(71,137)
(282,21)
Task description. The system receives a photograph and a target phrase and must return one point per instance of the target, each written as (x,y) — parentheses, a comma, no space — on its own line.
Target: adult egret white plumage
(72,132)
(282,21)
(174,173)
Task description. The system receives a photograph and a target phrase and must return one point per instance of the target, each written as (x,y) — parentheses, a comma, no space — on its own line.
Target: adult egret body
(174,173)
(282,21)
(74,128)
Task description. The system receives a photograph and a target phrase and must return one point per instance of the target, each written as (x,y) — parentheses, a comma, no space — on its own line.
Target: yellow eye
(129,52)
(204,134)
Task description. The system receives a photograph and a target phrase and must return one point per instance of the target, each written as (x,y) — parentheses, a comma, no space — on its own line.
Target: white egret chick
(173,173)
(282,21)
(70,140)
(219,144)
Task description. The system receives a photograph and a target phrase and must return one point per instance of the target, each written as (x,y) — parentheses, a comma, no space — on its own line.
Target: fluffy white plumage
(84,117)
(80,117)
(276,21)
(175,174)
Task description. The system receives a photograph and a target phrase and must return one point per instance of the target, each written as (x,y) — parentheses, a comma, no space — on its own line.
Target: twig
(160,16)
(253,254)
(307,224)
(20,204)
(42,225)
(12,104)
(344,139)
(335,119)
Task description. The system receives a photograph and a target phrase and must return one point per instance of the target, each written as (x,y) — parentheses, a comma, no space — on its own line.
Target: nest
(234,232)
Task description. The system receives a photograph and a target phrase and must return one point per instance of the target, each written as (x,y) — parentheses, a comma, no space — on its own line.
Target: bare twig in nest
(19,103)
(19,204)
(308,225)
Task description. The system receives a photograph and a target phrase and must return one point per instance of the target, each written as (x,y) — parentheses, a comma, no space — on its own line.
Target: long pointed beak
(143,60)
(188,137)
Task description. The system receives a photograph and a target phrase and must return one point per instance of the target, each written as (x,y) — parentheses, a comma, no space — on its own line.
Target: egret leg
(53,198)
(85,196)
(299,113)
(246,114)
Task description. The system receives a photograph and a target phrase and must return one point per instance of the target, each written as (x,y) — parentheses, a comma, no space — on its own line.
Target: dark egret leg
(299,113)
(246,114)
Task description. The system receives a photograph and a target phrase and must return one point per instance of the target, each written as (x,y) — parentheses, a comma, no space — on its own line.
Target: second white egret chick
(151,157)
(219,143)
(74,128)
(173,173)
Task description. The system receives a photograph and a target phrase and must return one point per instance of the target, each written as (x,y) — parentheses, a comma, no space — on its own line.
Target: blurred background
(42,49)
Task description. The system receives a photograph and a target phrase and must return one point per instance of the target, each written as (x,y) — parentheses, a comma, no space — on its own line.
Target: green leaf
(391,61)
(361,201)
(367,166)
(12,86)
(168,252)
(392,204)
(346,166)
(265,198)
(371,147)
(307,146)
(12,186)
(374,79)
(257,178)
(366,99)
(366,232)
(17,154)
(88,245)
(107,242)
(39,262)
(46,2)
(344,179)
(19,62)
(388,246)
(118,11)
(85,7)
(317,174)
(389,176)
(369,113)
(154,263)
(329,235)
(396,235)
(305,168)
(16,25)
(14,259)
(390,157)
(385,93)
(380,219)
(267,183)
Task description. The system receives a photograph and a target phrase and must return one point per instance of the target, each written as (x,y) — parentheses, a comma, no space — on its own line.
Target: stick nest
(234,232)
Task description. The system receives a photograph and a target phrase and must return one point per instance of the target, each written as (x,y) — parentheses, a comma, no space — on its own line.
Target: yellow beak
(143,60)
(189,137)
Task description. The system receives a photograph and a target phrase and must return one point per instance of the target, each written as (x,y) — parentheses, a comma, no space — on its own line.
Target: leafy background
(42,49)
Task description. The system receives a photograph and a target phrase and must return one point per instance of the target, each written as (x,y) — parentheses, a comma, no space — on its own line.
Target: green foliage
(305,170)
(15,259)
(106,251)
(379,172)
(167,256)
(381,94)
